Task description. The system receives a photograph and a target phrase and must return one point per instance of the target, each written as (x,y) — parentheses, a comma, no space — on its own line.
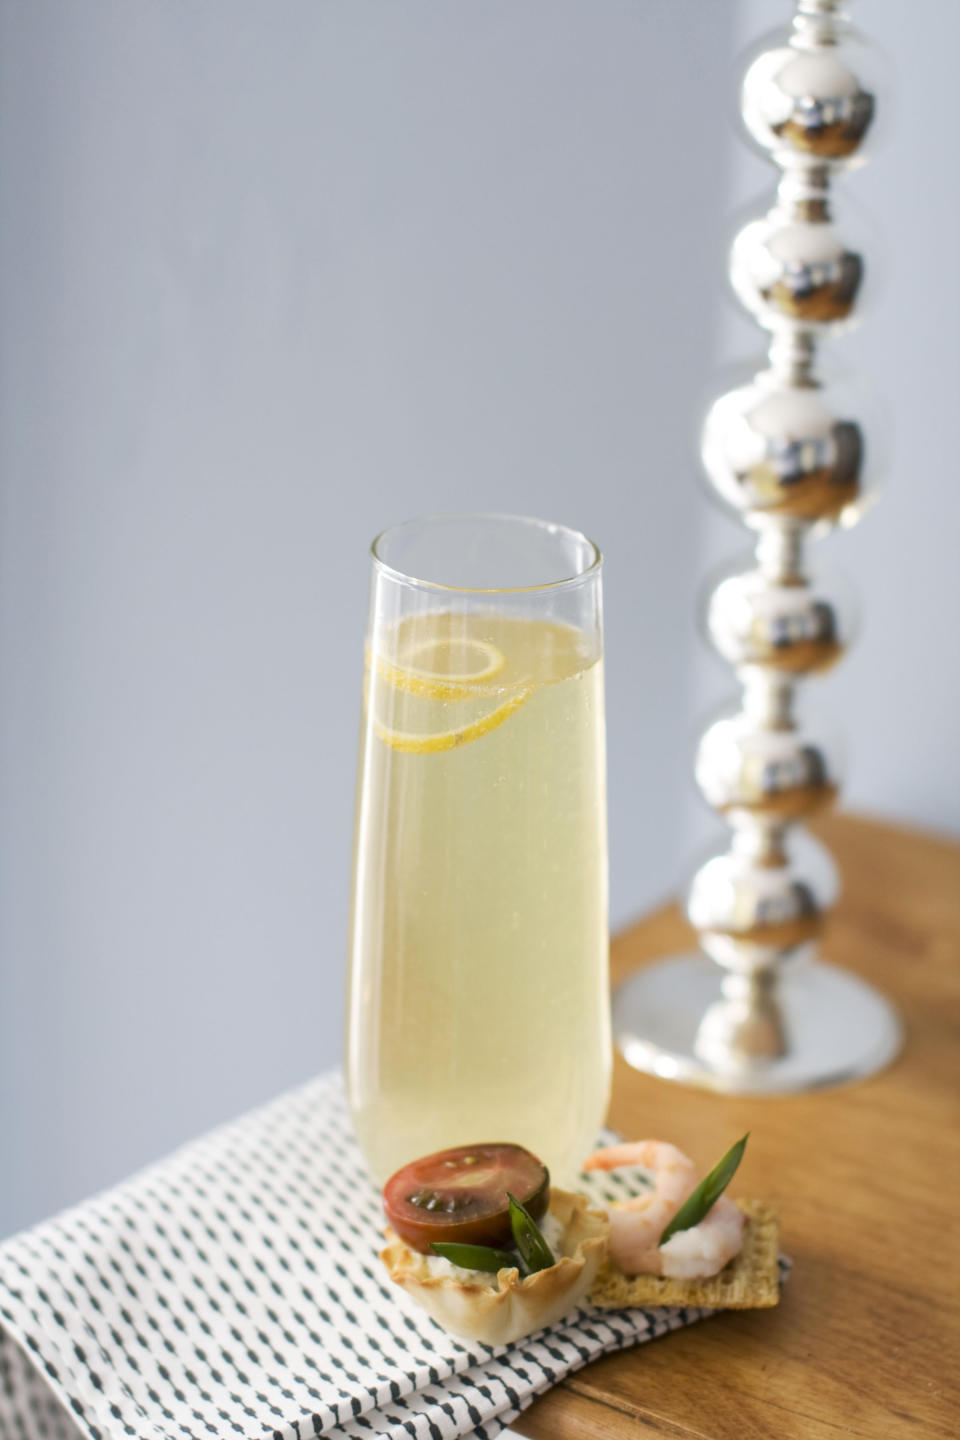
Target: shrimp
(704,1249)
(637,1224)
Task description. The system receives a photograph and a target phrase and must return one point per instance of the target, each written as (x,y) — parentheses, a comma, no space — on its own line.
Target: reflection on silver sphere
(774,775)
(791,629)
(751,915)
(784,269)
(777,449)
(798,102)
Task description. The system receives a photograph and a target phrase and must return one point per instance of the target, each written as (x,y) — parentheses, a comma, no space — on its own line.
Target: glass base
(834,1028)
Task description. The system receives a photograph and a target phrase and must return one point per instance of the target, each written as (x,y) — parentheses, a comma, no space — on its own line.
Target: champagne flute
(478,994)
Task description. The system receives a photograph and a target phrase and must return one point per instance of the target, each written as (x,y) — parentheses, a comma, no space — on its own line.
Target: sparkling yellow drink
(478,1006)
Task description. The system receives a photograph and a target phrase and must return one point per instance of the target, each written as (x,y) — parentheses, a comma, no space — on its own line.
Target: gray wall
(272,277)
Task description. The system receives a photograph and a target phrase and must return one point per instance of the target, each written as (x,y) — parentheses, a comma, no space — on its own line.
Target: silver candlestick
(755,1011)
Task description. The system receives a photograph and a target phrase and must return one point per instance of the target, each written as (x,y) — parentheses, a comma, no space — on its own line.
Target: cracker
(749,1282)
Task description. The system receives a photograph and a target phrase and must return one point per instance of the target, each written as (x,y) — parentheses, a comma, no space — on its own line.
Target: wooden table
(866,1339)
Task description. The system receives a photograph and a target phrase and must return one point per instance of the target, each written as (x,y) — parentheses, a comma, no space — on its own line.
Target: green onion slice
(475,1257)
(707,1193)
(536,1253)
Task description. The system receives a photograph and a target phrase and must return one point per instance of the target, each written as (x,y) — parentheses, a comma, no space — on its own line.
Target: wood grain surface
(866,1339)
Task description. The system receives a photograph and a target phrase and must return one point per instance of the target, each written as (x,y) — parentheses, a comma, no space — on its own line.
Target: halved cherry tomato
(461,1195)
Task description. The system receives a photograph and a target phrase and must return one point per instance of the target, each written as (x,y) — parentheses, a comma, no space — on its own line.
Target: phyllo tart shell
(510,1307)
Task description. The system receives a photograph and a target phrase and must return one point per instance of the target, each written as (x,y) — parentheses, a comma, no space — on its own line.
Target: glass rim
(593,567)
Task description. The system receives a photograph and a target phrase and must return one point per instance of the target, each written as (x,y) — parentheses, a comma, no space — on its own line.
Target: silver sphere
(746,771)
(803,103)
(790,270)
(772,448)
(752,915)
(791,629)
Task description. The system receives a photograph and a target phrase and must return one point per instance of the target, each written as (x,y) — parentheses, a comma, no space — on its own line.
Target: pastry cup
(510,1308)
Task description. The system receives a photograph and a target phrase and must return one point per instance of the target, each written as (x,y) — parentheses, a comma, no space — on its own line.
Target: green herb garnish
(475,1257)
(709,1190)
(536,1253)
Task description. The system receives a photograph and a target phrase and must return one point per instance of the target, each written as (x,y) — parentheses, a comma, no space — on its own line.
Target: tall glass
(478,1004)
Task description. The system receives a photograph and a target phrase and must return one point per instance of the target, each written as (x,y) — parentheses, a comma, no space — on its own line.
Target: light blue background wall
(271,277)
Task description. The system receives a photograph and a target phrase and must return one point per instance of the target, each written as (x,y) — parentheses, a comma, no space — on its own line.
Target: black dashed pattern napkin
(234,1290)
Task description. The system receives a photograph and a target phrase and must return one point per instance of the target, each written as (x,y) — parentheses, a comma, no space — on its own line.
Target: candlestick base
(826,1027)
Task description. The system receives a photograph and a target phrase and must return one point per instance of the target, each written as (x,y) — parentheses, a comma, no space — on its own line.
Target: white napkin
(234,1290)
